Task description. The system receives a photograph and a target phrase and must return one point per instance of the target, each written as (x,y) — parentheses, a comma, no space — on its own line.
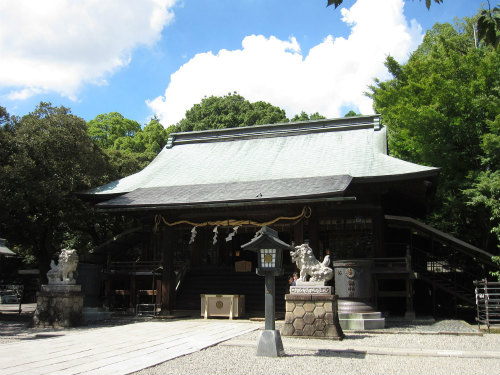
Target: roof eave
(430,173)
(254,203)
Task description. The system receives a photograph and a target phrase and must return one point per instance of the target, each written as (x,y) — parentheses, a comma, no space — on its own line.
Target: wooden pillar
(378,233)
(132,292)
(168,276)
(158,291)
(314,235)
(107,282)
(298,233)
(410,312)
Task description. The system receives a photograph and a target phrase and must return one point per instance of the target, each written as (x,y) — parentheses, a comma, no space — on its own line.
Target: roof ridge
(274,130)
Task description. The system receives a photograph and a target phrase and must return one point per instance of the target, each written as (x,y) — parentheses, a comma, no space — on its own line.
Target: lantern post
(269,249)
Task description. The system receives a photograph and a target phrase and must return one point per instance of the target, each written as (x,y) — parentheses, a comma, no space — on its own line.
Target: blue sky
(146,57)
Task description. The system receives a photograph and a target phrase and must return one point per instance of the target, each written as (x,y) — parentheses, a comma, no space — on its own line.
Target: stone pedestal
(312,315)
(59,306)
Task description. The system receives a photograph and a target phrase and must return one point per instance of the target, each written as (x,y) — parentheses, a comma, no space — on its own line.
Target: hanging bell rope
(305,214)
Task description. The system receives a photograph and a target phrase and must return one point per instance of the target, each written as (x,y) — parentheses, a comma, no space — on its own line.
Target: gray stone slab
(361,324)
(118,349)
(366,315)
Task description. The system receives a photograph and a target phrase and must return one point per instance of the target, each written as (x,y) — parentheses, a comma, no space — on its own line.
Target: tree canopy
(50,156)
(305,117)
(488,26)
(442,108)
(230,111)
(129,146)
(111,130)
(352,113)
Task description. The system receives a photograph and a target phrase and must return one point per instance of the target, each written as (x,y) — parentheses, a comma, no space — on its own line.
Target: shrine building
(329,183)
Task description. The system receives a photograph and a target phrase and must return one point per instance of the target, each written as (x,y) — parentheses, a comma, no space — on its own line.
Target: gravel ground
(428,325)
(240,359)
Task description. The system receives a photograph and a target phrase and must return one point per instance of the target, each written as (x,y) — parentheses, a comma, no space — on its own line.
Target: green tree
(6,130)
(352,113)
(154,136)
(50,157)
(126,163)
(488,26)
(496,259)
(112,130)
(229,111)
(129,147)
(485,191)
(437,107)
(305,117)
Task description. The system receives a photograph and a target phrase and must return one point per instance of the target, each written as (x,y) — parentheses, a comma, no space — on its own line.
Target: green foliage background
(442,109)
(48,156)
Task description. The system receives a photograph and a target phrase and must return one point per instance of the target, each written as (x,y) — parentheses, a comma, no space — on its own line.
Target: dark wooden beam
(168,276)
(298,233)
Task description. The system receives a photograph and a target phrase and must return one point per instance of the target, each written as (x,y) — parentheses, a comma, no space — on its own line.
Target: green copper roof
(355,146)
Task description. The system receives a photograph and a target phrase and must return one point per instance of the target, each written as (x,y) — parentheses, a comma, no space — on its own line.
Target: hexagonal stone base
(312,315)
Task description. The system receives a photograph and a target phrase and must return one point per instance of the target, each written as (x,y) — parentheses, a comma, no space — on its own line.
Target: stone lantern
(269,249)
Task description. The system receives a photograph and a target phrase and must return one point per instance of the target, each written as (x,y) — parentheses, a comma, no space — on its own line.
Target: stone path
(116,350)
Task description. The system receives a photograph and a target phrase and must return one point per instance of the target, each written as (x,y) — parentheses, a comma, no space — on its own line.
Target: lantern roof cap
(266,236)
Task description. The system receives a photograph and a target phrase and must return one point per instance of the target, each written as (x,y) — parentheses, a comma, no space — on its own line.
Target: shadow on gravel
(41,336)
(352,354)
(356,337)
(18,326)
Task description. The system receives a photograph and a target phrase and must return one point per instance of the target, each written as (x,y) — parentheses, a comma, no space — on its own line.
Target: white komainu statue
(308,265)
(62,273)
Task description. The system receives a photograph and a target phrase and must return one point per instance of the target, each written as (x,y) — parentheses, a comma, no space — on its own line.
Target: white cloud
(334,73)
(57,45)
(23,93)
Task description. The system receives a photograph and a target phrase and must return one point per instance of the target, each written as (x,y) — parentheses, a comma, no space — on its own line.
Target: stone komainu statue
(62,273)
(309,266)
